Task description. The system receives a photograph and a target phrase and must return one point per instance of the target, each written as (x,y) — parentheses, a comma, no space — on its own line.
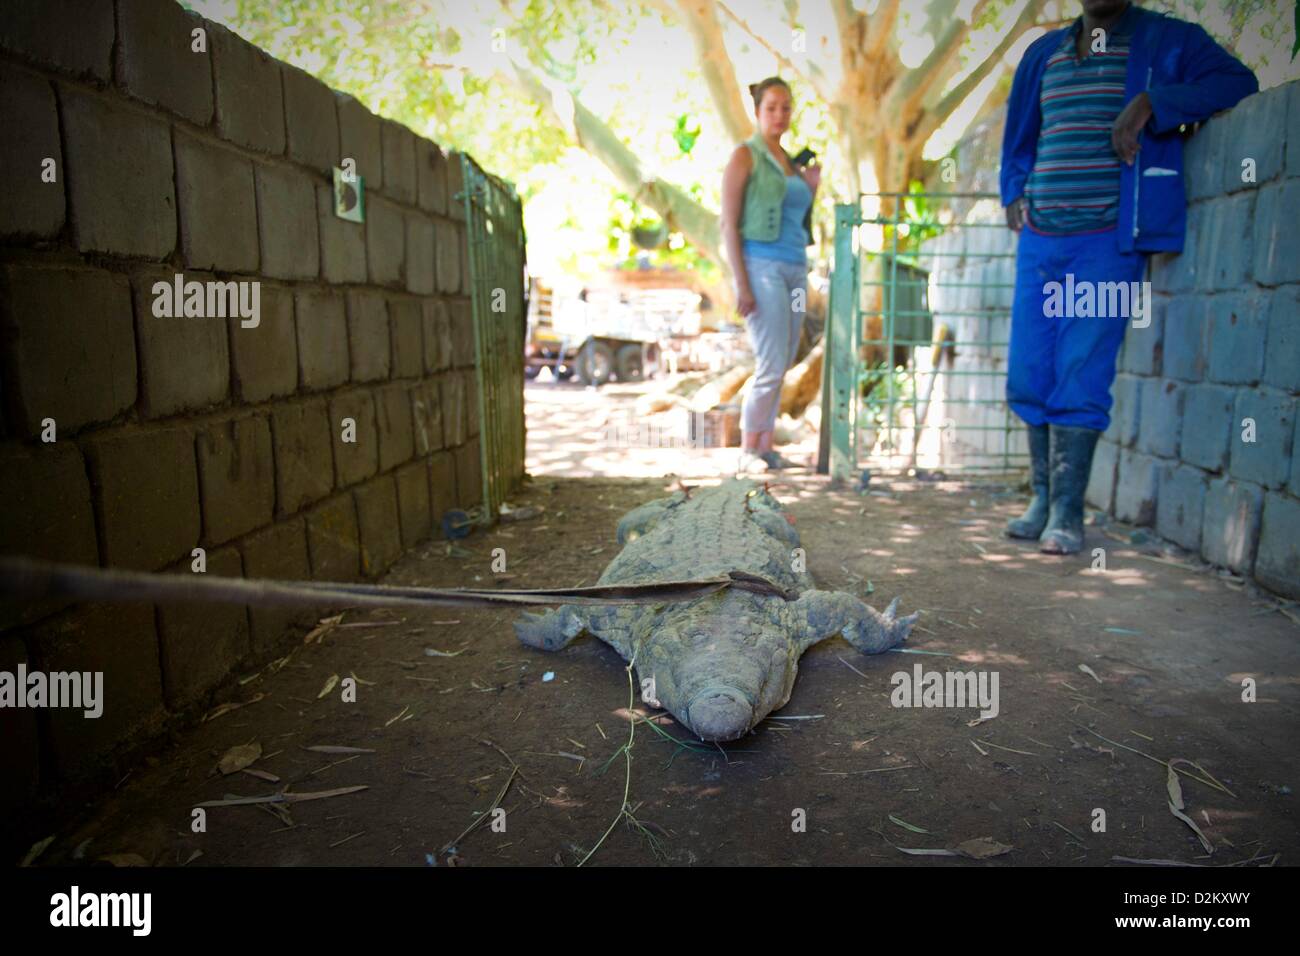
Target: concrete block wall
(1203,439)
(171,434)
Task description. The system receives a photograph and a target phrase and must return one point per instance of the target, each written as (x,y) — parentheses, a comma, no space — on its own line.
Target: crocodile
(722,662)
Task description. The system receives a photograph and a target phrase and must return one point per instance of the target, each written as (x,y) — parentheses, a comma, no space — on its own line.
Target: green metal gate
(916,341)
(494,218)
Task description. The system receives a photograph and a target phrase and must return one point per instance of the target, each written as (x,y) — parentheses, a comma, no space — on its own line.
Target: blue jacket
(1188,78)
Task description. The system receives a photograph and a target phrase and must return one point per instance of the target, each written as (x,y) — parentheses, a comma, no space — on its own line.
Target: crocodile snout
(719,713)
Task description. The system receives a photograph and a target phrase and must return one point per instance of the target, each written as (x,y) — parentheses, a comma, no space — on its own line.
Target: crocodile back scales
(715,531)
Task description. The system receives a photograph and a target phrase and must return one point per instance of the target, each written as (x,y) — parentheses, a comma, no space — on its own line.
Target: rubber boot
(1072,450)
(1031,524)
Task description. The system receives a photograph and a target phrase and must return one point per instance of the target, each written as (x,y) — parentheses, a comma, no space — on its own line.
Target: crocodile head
(715,670)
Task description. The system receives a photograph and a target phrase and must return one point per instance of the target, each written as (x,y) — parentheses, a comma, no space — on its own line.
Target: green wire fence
(494,217)
(916,346)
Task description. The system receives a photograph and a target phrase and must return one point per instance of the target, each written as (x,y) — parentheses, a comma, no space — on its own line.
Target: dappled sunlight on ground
(578,431)
(1102,676)
(990,657)
(1263,680)
(1108,662)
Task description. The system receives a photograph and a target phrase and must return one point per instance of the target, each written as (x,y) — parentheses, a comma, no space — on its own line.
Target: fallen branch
(485,815)
(282,797)
(1211,782)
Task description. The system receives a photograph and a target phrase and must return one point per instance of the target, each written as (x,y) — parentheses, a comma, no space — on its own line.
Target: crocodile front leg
(819,614)
(640,520)
(616,624)
(550,630)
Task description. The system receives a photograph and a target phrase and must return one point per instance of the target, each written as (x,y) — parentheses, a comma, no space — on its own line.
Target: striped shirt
(1074,185)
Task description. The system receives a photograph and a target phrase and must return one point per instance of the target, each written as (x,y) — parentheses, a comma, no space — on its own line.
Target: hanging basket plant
(647,236)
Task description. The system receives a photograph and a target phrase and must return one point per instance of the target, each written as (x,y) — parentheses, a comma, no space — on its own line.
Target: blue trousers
(1061,365)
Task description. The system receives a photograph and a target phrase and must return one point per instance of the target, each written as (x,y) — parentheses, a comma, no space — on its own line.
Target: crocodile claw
(902,626)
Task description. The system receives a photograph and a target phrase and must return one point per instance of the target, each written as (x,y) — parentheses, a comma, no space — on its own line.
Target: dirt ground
(1168,647)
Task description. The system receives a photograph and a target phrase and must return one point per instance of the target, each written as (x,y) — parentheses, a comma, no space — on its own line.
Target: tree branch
(423,8)
(823,84)
(850,26)
(813,79)
(681,212)
(996,98)
(935,115)
(880,27)
(903,99)
(701,22)
(1024,22)
(846,17)
(678,209)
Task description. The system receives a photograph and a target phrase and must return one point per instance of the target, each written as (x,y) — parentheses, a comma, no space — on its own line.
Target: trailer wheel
(596,368)
(629,364)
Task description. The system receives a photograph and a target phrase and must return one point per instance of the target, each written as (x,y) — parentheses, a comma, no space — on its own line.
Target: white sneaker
(750,464)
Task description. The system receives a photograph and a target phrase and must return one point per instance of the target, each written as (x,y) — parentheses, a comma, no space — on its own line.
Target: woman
(766,211)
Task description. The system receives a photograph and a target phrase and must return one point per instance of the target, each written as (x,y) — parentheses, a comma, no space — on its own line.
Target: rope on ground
(32,579)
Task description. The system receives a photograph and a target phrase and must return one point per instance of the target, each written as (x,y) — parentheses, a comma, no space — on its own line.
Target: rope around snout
(32,579)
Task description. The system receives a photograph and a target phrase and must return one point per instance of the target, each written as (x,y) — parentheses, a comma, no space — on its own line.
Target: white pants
(780,297)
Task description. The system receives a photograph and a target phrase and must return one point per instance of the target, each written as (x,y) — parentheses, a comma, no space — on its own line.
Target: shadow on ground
(447,702)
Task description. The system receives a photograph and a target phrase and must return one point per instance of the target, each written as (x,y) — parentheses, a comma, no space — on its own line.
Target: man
(1092,180)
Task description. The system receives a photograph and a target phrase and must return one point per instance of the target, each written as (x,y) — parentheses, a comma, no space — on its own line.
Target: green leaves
(687,131)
